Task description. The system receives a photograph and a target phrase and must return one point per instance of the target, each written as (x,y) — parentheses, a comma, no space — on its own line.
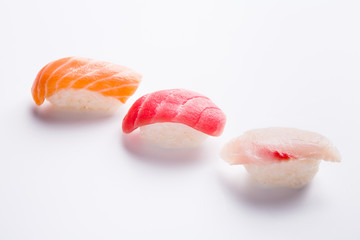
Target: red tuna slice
(176,106)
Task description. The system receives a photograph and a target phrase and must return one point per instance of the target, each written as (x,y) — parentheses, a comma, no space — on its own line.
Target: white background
(265,63)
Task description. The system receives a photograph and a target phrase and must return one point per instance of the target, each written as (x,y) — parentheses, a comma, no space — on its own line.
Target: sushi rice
(84,100)
(172,135)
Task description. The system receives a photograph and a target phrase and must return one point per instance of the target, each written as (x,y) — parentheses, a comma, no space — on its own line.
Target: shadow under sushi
(151,154)
(245,189)
(52,115)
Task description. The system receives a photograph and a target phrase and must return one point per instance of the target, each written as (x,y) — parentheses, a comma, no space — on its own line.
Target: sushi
(174,118)
(84,84)
(276,156)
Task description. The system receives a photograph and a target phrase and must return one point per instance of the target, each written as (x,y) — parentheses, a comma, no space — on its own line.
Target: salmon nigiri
(84,84)
(175,118)
(280,156)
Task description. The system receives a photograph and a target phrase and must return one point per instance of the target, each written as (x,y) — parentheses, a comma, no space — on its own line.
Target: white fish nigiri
(280,156)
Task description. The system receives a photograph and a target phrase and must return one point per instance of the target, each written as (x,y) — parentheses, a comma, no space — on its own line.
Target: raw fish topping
(106,78)
(177,106)
(269,145)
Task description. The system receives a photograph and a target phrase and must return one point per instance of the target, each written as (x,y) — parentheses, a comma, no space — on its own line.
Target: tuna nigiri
(84,84)
(280,156)
(175,118)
